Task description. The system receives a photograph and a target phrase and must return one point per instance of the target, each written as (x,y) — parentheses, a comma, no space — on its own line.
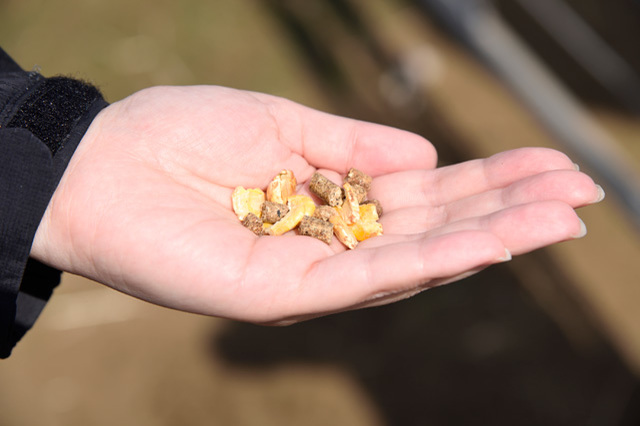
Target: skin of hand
(145,207)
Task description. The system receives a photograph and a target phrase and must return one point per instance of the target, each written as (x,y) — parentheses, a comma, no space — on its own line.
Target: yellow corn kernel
(350,208)
(299,207)
(365,230)
(247,201)
(342,231)
(368,225)
(282,187)
(368,213)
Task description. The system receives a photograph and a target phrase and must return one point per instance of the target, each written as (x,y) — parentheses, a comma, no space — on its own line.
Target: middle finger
(573,188)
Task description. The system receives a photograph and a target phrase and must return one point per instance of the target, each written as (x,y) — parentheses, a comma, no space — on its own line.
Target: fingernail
(576,166)
(506,257)
(601,194)
(583,230)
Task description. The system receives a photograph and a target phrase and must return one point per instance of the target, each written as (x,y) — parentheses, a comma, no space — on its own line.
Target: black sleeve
(42,120)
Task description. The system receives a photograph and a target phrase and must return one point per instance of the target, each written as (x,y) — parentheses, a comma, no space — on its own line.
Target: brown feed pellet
(357,178)
(254,223)
(273,212)
(326,190)
(316,228)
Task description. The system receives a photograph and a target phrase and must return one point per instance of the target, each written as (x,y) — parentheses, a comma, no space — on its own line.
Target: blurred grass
(126,46)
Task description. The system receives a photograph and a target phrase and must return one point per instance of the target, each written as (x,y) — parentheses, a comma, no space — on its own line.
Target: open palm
(145,207)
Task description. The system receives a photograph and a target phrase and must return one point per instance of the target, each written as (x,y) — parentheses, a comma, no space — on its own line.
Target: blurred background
(552,338)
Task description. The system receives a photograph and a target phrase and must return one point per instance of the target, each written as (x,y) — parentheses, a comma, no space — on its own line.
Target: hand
(145,207)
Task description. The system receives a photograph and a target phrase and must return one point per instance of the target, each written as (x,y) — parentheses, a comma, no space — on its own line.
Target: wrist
(57,112)
(53,243)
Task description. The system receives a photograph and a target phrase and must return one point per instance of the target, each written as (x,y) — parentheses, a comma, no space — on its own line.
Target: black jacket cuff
(42,121)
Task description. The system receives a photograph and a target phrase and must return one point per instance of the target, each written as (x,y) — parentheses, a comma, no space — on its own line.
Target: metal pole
(588,49)
(479,26)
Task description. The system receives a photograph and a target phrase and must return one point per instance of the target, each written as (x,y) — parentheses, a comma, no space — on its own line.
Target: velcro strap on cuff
(52,109)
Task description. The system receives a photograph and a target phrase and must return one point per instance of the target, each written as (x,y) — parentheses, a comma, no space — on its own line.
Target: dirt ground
(550,339)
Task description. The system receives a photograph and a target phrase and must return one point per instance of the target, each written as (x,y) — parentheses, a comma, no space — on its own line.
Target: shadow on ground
(479,352)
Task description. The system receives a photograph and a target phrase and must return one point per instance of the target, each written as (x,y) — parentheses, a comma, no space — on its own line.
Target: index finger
(338,143)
